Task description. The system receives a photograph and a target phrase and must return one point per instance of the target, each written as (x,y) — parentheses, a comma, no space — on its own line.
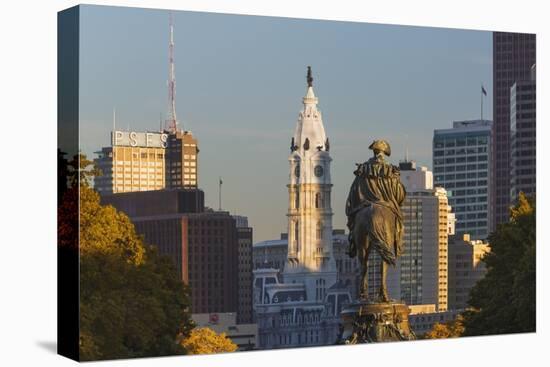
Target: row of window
(142,155)
(460,142)
(469,208)
(464,159)
(460,176)
(138,164)
(320,200)
(463,167)
(461,225)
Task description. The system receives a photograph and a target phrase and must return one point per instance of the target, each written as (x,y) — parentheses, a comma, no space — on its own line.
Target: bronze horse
(374,215)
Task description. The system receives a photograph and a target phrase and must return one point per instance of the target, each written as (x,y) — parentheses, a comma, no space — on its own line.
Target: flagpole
(481,94)
(220,195)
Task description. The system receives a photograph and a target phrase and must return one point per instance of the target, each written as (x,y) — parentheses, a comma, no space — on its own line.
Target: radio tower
(172,119)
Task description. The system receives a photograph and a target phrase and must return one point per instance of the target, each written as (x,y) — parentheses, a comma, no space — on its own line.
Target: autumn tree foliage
(450,329)
(207,341)
(504,300)
(132,302)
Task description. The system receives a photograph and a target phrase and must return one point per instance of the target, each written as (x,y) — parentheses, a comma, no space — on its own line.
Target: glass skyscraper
(461,164)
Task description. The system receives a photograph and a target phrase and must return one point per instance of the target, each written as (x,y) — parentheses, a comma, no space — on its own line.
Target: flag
(221,182)
(483,90)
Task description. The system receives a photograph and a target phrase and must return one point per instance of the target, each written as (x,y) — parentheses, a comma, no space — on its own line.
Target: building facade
(461,162)
(145,161)
(513,56)
(523,145)
(245,240)
(245,336)
(182,164)
(421,273)
(133,162)
(465,268)
(300,305)
(202,243)
(422,318)
(310,258)
(273,254)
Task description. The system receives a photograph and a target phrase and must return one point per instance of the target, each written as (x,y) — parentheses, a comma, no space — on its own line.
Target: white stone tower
(310,257)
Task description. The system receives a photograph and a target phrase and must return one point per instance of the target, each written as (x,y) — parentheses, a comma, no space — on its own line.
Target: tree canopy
(207,341)
(132,302)
(504,300)
(450,329)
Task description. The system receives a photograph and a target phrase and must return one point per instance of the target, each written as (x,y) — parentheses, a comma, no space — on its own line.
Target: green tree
(504,300)
(81,171)
(132,302)
(450,329)
(207,341)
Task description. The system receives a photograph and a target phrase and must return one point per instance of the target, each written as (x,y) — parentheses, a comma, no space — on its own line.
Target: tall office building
(133,162)
(144,161)
(182,161)
(202,243)
(461,163)
(245,240)
(465,268)
(523,143)
(420,276)
(513,56)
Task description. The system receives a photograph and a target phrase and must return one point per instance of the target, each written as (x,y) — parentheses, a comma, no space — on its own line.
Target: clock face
(297,170)
(318,171)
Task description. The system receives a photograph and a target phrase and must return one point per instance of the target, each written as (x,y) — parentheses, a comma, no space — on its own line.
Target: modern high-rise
(420,276)
(465,268)
(461,164)
(513,56)
(523,145)
(144,161)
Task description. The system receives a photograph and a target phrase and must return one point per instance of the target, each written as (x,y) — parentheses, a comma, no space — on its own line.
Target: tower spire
(310,256)
(172,118)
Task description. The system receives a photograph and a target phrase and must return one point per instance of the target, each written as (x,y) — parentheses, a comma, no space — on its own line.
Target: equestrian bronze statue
(374,215)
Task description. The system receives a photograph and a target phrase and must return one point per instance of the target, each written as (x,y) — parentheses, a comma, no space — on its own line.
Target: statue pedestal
(369,322)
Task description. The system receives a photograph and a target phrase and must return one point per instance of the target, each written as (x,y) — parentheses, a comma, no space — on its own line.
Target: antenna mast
(172,119)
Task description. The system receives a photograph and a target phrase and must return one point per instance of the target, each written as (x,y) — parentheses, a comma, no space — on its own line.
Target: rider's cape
(377,184)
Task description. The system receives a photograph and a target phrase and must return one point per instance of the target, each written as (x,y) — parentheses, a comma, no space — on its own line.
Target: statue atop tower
(310,257)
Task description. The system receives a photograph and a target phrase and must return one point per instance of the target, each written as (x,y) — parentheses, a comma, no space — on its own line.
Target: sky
(240,82)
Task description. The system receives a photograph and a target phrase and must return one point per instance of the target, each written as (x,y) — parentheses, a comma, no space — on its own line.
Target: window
(296,235)
(319,231)
(318,200)
(320,289)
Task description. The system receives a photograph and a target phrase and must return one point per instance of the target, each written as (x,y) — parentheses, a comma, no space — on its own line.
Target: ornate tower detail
(310,255)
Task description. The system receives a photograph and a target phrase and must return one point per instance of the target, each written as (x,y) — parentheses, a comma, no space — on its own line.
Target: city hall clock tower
(310,257)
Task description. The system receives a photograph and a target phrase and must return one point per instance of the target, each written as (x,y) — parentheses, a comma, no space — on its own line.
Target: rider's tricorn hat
(381,146)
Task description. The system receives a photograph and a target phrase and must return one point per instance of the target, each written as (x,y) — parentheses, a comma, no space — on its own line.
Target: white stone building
(300,306)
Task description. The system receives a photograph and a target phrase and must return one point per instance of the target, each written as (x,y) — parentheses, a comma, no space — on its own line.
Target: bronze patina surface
(375,223)
(373,209)
(365,322)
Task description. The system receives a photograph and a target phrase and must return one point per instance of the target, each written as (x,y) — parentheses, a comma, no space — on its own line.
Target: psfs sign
(135,139)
